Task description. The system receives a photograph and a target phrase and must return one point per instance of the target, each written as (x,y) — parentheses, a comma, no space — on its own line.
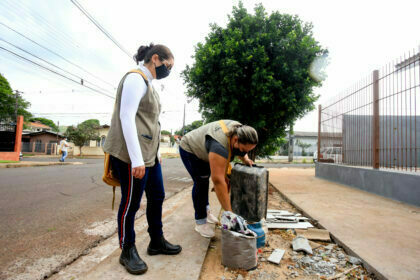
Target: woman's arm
(133,91)
(218,168)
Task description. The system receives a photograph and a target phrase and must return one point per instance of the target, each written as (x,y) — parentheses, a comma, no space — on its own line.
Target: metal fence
(39,148)
(7,137)
(376,123)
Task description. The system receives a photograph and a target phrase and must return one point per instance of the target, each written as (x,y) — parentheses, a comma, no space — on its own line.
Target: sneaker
(206,230)
(211,218)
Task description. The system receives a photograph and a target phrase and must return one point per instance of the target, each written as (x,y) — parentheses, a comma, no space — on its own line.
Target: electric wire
(49,63)
(51,30)
(55,72)
(53,52)
(97,24)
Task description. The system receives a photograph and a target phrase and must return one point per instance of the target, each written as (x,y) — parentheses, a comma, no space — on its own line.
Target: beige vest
(147,124)
(195,141)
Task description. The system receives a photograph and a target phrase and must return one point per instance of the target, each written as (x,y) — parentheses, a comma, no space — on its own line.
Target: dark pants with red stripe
(131,193)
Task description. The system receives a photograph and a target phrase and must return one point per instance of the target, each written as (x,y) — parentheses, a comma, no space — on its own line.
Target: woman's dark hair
(146,52)
(246,134)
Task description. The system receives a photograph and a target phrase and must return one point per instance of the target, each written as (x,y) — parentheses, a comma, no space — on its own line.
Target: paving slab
(102,262)
(314,234)
(384,233)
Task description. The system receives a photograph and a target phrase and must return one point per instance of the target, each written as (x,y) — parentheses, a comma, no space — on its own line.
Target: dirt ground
(287,269)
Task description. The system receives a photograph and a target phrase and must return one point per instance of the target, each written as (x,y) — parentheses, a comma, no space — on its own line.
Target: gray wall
(396,185)
(399,137)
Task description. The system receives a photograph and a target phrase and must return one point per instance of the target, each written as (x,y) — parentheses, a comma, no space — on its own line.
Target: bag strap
(226,131)
(141,73)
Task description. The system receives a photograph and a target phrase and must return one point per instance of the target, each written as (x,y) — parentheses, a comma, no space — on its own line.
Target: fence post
(319,133)
(375,132)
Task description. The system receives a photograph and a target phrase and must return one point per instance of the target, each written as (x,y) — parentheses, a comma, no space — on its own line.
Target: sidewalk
(385,234)
(178,224)
(36,163)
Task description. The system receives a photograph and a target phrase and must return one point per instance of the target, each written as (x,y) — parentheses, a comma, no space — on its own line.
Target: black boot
(161,246)
(131,260)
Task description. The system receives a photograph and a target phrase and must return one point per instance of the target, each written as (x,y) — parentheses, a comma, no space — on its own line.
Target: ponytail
(246,134)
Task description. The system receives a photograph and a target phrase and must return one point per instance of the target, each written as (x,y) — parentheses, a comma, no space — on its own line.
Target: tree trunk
(80,153)
(290,148)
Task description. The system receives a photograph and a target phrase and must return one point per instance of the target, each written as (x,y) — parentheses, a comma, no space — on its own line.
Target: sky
(361,36)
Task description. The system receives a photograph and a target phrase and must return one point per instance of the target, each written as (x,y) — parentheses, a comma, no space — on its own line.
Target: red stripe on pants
(126,204)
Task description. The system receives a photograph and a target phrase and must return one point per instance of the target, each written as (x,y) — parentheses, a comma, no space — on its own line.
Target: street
(50,215)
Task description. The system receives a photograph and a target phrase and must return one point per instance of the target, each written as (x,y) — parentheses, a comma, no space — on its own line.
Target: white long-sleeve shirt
(134,89)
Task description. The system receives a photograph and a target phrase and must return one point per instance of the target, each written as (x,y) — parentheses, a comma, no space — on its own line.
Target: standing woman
(207,151)
(133,144)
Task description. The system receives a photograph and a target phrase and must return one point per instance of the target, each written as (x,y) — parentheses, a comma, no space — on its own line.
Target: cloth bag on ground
(239,246)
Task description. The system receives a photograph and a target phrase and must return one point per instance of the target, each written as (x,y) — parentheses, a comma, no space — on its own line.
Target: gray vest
(195,141)
(147,124)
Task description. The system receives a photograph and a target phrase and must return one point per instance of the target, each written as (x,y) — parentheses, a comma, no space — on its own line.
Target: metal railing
(376,123)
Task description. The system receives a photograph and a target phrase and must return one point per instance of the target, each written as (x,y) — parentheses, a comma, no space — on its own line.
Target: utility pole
(58,128)
(16,102)
(183,123)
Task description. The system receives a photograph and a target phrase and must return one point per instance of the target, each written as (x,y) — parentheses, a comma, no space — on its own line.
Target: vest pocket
(148,137)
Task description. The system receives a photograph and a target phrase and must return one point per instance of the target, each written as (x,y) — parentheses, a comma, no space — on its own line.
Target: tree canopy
(165,132)
(85,131)
(189,127)
(8,102)
(257,70)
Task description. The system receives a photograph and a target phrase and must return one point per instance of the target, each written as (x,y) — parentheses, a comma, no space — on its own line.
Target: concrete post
(18,137)
(319,133)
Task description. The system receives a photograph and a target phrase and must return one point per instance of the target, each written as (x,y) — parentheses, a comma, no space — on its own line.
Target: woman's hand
(246,160)
(249,162)
(139,171)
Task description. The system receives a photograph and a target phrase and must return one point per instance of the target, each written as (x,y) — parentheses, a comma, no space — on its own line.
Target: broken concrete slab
(300,225)
(276,256)
(354,260)
(314,245)
(300,243)
(314,234)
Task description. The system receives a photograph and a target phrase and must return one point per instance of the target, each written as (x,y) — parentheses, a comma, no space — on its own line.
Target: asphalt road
(49,215)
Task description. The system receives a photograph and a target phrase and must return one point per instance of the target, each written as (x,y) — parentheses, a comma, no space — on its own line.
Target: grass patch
(28,155)
(8,161)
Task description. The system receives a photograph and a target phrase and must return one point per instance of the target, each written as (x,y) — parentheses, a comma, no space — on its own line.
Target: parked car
(331,154)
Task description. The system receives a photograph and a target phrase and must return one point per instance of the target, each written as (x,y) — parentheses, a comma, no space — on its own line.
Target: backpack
(109,178)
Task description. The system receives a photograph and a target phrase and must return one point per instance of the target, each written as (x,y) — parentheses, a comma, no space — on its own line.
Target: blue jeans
(63,156)
(131,193)
(200,173)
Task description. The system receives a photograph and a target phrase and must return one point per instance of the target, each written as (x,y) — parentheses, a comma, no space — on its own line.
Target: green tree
(165,132)
(45,121)
(257,70)
(189,127)
(85,131)
(8,102)
(303,146)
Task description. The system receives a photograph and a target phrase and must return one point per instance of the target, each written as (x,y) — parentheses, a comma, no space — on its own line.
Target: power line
(51,29)
(53,52)
(107,34)
(57,73)
(49,63)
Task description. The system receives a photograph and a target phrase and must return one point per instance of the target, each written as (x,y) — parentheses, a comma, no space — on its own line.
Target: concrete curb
(346,248)
(34,164)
